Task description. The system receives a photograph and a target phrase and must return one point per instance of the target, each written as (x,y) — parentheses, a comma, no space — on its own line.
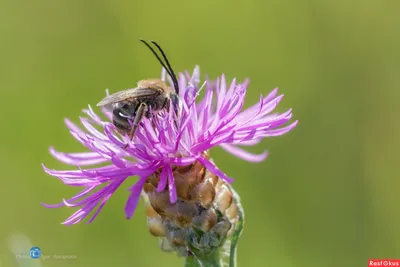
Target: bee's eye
(126,106)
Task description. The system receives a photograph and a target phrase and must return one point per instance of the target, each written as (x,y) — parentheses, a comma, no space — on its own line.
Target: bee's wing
(127,94)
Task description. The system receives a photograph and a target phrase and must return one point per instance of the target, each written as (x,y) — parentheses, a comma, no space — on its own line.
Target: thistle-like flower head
(165,142)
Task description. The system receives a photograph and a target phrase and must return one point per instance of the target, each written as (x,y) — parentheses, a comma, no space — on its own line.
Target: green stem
(202,260)
(238,231)
(191,261)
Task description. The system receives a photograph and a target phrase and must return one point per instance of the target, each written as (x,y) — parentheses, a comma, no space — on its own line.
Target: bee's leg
(138,118)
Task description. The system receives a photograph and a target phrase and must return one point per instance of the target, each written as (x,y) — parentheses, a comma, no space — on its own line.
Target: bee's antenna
(171,73)
(159,59)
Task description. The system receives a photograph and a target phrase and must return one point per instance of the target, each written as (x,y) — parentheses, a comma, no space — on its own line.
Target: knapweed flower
(170,156)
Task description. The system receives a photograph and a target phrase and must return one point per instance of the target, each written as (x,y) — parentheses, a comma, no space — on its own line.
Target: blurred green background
(326,196)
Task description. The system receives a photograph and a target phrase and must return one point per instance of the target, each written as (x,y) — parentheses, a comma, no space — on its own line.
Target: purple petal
(133,199)
(251,142)
(81,194)
(243,154)
(180,161)
(213,169)
(196,76)
(265,133)
(254,108)
(163,74)
(163,179)
(93,115)
(73,127)
(267,123)
(221,92)
(81,159)
(171,185)
(92,130)
(111,191)
(107,113)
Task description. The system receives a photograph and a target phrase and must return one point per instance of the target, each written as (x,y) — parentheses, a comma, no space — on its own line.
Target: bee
(150,96)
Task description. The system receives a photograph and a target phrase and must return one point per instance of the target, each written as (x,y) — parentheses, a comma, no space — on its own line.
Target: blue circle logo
(35,252)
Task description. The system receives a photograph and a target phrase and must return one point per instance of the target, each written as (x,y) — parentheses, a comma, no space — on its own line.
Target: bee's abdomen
(120,121)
